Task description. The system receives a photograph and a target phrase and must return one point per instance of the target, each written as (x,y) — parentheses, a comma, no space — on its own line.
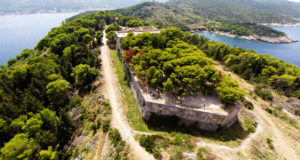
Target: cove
(287,52)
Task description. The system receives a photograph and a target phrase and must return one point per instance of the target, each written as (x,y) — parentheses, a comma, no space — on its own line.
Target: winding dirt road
(280,141)
(112,92)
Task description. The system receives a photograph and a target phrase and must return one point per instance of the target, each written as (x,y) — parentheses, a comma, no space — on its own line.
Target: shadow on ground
(172,124)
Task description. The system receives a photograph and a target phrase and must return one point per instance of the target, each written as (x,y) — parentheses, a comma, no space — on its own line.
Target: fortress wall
(204,120)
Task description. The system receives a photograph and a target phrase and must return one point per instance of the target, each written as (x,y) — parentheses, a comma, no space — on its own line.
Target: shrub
(93,127)
(296,94)
(251,129)
(248,104)
(157,154)
(98,123)
(114,136)
(263,92)
(200,153)
(176,153)
(148,142)
(105,126)
(75,101)
(12,61)
(270,110)
(270,142)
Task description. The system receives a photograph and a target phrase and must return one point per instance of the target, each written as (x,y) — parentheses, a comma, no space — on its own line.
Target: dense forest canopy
(168,63)
(39,86)
(241,10)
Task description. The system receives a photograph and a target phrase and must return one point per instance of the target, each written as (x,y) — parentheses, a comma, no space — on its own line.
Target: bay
(287,52)
(18,32)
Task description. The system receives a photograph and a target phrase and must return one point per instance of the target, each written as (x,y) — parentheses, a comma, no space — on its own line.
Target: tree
(283,81)
(229,91)
(135,23)
(87,38)
(112,28)
(84,74)
(111,36)
(102,24)
(60,42)
(57,91)
(32,126)
(269,71)
(49,119)
(172,33)
(20,147)
(54,77)
(168,86)
(25,54)
(48,154)
(99,36)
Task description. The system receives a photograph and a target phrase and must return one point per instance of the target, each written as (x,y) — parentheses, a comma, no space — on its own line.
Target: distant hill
(163,15)
(237,17)
(254,11)
(32,6)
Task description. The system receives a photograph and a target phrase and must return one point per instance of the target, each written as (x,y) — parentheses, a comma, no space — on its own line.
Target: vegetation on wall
(167,63)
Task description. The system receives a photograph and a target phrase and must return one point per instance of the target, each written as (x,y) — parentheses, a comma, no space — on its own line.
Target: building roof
(136,30)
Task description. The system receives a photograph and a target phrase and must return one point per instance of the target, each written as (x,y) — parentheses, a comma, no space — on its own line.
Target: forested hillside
(255,11)
(225,16)
(40,86)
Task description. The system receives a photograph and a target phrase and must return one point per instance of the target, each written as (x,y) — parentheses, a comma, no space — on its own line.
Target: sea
(287,52)
(18,32)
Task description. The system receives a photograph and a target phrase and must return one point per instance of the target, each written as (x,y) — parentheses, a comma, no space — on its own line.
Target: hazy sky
(295,0)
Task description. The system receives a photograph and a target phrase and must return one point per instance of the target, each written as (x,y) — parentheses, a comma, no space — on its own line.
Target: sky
(295,0)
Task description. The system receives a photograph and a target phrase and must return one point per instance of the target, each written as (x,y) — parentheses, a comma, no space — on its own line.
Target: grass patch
(205,153)
(277,112)
(133,114)
(262,150)
(118,149)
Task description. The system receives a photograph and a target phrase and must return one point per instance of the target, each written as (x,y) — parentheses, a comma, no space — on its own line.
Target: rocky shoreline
(275,40)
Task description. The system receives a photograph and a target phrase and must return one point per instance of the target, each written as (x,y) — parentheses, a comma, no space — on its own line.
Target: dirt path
(280,142)
(244,145)
(119,120)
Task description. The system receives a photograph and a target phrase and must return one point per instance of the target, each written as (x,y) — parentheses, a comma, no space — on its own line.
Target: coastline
(281,25)
(274,40)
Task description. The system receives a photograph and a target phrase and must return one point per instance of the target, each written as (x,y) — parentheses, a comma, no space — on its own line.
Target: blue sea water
(287,52)
(18,32)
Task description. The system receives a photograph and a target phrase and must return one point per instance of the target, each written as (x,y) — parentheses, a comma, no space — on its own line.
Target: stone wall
(205,120)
